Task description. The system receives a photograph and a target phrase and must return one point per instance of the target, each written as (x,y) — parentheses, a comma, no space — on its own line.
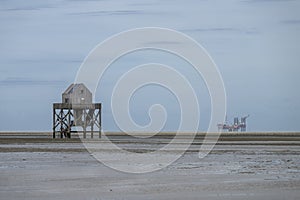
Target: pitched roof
(73,86)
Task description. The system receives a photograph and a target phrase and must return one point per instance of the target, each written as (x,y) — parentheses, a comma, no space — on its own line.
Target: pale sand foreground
(63,169)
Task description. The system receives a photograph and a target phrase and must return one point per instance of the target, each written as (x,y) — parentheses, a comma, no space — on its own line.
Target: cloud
(265,1)
(143,4)
(108,13)
(27,6)
(291,22)
(210,30)
(222,30)
(17,81)
(162,43)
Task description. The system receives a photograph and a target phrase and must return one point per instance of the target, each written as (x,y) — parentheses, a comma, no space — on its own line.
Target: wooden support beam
(100,126)
(63,115)
(54,122)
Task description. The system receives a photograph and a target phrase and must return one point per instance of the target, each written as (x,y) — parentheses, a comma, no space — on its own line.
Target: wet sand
(239,167)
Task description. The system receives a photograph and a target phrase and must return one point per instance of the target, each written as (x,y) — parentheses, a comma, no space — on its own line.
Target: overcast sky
(255,44)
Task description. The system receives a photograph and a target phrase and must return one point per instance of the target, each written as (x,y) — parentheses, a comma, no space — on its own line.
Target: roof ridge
(69,88)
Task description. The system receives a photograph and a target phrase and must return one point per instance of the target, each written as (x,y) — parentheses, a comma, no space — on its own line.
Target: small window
(81,91)
(66,100)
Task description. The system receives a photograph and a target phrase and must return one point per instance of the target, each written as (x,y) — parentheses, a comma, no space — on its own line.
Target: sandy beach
(38,167)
